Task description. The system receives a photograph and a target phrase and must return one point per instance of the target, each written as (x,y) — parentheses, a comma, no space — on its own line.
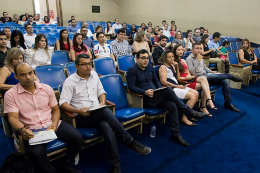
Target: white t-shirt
(103,51)
(189,45)
(166,33)
(115,26)
(29,39)
(89,33)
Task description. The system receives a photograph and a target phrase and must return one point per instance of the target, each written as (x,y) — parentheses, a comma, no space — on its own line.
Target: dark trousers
(66,133)
(104,120)
(221,79)
(167,99)
(256,67)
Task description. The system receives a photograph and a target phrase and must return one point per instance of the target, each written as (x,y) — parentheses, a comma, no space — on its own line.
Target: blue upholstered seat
(255,71)
(89,133)
(124,115)
(125,62)
(154,111)
(55,145)
(212,65)
(60,57)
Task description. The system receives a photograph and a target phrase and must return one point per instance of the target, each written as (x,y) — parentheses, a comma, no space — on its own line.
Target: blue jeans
(221,79)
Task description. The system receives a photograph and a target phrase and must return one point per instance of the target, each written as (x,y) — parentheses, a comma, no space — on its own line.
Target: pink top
(34,109)
(172,33)
(76,53)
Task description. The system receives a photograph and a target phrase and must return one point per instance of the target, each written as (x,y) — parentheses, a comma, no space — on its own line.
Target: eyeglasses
(86,64)
(144,57)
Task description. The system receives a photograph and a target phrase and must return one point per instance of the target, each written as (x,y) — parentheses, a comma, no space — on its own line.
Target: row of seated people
(73,101)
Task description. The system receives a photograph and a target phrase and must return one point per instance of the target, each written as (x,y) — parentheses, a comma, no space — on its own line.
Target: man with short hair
(31,22)
(86,39)
(214,43)
(157,52)
(86,25)
(29,37)
(73,27)
(127,31)
(71,18)
(6,18)
(196,36)
(32,105)
(83,90)
(163,23)
(120,46)
(3,49)
(117,25)
(166,31)
(205,32)
(141,79)
(201,31)
(102,49)
(197,67)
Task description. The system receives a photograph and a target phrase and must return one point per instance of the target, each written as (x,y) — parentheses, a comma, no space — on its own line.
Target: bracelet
(103,103)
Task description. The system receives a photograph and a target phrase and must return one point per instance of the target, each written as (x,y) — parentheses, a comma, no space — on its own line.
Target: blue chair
(60,57)
(187,53)
(152,41)
(228,48)
(71,38)
(129,117)
(104,66)
(70,68)
(71,34)
(171,39)
(183,34)
(233,46)
(61,27)
(257,53)
(116,31)
(238,45)
(243,71)
(45,31)
(55,35)
(2,24)
(10,23)
(109,41)
(47,73)
(42,25)
(51,40)
(95,42)
(124,63)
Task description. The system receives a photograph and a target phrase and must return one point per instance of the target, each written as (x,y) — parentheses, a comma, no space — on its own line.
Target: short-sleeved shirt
(156,38)
(29,39)
(77,53)
(213,44)
(117,26)
(72,29)
(34,109)
(121,48)
(88,42)
(3,57)
(103,51)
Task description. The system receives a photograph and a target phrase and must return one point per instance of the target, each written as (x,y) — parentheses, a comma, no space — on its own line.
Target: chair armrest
(138,95)
(205,57)
(110,103)
(121,71)
(71,115)
(100,75)
(68,117)
(236,65)
(134,100)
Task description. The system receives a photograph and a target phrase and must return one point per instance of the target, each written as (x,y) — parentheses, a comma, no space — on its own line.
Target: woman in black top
(247,56)
(204,41)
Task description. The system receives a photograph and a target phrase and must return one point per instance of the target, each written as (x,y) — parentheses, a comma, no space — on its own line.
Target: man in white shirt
(86,25)
(101,49)
(117,25)
(29,37)
(166,31)
(83,90)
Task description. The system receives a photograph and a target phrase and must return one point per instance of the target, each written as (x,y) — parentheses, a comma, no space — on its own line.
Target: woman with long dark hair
(78,47)
(110,31)
(197,83)
(46,20)
(17,40)
(64,43)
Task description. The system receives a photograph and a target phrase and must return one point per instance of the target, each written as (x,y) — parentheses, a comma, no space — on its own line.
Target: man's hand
(27,134)
(212,49)
(149,93)
(53,126)
(199,57)
(83,112)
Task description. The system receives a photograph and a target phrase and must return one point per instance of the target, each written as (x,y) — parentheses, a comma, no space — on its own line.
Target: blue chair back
(37,27)
(42,25)
(95,42)
(2,24)
(61,27)
(10,23)
(109,41)
(45,31)
(52,75)
(156,71)
(70,67)
(104,66)
(171,38)
(125,62)
(187,53)
(233,58)
(116,31)
(51,40)
(228,48)
(152,41)
(71,34)
(55,35)
(114,87)
(256,51)
(221,41)
(183,34)
(238,45)
(233,46)
(60,57)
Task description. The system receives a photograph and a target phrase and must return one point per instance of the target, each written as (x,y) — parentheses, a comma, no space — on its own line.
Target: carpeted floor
(253,88)
(226,142)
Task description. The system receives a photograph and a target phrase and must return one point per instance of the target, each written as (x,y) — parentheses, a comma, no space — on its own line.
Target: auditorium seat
(60,57)
(70,68)
(51,40)
(124,63)
(233,46)
(104,66)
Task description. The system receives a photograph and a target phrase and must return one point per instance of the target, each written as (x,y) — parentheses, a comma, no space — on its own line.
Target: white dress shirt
(35,58)
(166,33)
(29,39)
(117,26)
(79,92)
(89,33)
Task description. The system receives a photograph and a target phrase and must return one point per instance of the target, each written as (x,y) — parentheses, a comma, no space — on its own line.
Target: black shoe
(198,115)
(236,79)
(179,139)
(116,170)
(231,107)
(70,171)
(192,124)
(139,148)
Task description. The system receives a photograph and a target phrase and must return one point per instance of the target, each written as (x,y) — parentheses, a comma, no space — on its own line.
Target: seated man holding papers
(83,90)
(141,79)
(32,105)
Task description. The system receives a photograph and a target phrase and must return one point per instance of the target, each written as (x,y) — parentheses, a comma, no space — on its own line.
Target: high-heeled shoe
(214,108)
(208,115)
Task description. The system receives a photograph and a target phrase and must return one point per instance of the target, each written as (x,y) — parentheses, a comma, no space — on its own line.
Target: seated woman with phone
(197,83)
(188,40)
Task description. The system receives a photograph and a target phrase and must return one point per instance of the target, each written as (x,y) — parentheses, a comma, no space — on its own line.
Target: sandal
(208,115)
(214,108)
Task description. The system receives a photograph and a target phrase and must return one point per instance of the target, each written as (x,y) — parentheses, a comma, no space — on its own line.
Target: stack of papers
(97,107)
(42,136)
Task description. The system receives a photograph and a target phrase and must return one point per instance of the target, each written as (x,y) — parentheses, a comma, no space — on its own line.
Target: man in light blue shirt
(73,27)
(214,42)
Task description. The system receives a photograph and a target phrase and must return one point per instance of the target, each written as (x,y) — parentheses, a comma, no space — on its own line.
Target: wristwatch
(20,131)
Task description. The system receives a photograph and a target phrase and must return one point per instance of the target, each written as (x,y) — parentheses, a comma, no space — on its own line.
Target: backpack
(17,163)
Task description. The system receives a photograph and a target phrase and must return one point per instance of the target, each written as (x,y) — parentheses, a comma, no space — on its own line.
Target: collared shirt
(195,67)
(138,80)
(34,109)
(40,56)
(29,39)
(89,33)
(2,58)
(167,29)
(122,48)
(196,39)
(79,92)
(103,51)
(88,42)
(213,44)
(166,33)
(72,29)
(9,19)
(117,26)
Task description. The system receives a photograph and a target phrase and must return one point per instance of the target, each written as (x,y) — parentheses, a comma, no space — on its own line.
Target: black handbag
(213,54)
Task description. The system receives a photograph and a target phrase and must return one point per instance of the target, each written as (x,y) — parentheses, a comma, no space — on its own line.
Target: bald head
(23,65)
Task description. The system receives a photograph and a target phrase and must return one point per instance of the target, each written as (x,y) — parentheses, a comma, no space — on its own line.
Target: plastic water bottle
(153,131)
(76,160)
